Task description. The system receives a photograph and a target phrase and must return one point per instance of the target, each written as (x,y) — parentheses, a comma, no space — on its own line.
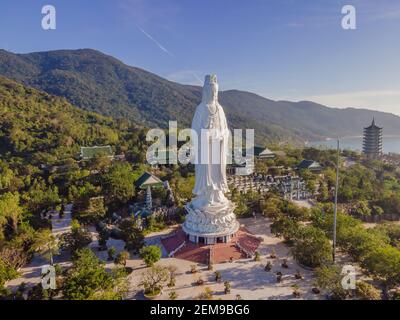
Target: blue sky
(281,49)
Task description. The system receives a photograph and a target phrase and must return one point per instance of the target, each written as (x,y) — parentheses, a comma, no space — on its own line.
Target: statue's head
(210,89)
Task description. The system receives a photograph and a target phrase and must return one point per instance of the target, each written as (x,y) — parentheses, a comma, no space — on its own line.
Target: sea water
(390,144)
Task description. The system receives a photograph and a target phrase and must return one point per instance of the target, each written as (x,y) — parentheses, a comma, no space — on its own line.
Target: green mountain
(97,82)
(36,127)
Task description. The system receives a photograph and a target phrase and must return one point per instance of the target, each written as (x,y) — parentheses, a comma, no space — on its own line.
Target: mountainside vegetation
(40,139)
(41,171)
(97,82)
(41,174)
(36,127)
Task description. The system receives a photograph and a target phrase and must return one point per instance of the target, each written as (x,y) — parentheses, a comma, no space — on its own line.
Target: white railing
(249,254)
(172,253)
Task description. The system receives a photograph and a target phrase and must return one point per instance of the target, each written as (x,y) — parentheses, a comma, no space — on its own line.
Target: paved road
(31,273)
(63,225)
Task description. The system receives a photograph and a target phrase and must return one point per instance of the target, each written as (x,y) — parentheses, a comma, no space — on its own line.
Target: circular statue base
(210,225)
(243,244)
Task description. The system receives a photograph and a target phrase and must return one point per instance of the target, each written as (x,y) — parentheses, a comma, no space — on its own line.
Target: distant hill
(94,81)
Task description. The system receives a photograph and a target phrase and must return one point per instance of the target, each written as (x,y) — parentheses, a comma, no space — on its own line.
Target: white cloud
(388,15)
(381,100)
(143,12)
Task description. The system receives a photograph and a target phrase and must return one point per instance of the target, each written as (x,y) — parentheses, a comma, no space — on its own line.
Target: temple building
(311,165)
(88,153)
(372,141)
(146,182)
(264,153)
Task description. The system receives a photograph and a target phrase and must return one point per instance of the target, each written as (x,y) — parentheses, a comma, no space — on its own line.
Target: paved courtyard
(247,277)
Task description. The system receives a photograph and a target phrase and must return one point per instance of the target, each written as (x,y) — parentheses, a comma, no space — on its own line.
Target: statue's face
(214,91)
(210,90)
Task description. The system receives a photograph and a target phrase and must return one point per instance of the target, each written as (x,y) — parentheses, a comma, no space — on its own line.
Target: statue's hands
(212,108)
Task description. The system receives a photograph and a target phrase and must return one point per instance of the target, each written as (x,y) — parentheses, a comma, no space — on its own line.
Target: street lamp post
(335,207)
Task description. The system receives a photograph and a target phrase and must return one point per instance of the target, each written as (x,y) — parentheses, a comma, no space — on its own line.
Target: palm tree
(46,244)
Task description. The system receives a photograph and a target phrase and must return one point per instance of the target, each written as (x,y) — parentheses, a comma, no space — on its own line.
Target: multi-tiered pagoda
(372,142)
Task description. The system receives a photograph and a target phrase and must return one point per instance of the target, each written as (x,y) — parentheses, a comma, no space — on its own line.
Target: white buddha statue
(209,120)
(210,212)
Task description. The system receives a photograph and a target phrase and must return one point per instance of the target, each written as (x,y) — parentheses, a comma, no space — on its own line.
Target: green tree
(81,193)
(6,176)
(18,251)
(10,209)
(41,197)
(150,255)
(271,207)
(119,183)
(182,187)
(103,237)
(89,280)
(241,207)
(46,244)
(76,239)
(377,210)
(122,257)
(111,253)
(90,210)
(311,186)
(154,279)
(99,163)
(362,208)
(330,279)
(6,273)
(384,264)
(285,227)
(366,291)
(132,235)
(323,192)
(359,242)
(312,248)
(390,230)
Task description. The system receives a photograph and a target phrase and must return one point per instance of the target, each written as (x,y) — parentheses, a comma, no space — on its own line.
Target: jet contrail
(156,42)
(197,78)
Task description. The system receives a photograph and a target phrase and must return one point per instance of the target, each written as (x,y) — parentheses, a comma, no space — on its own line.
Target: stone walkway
(31,273)
(62,225)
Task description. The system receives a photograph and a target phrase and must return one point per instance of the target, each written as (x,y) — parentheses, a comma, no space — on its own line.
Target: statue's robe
(209,122)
